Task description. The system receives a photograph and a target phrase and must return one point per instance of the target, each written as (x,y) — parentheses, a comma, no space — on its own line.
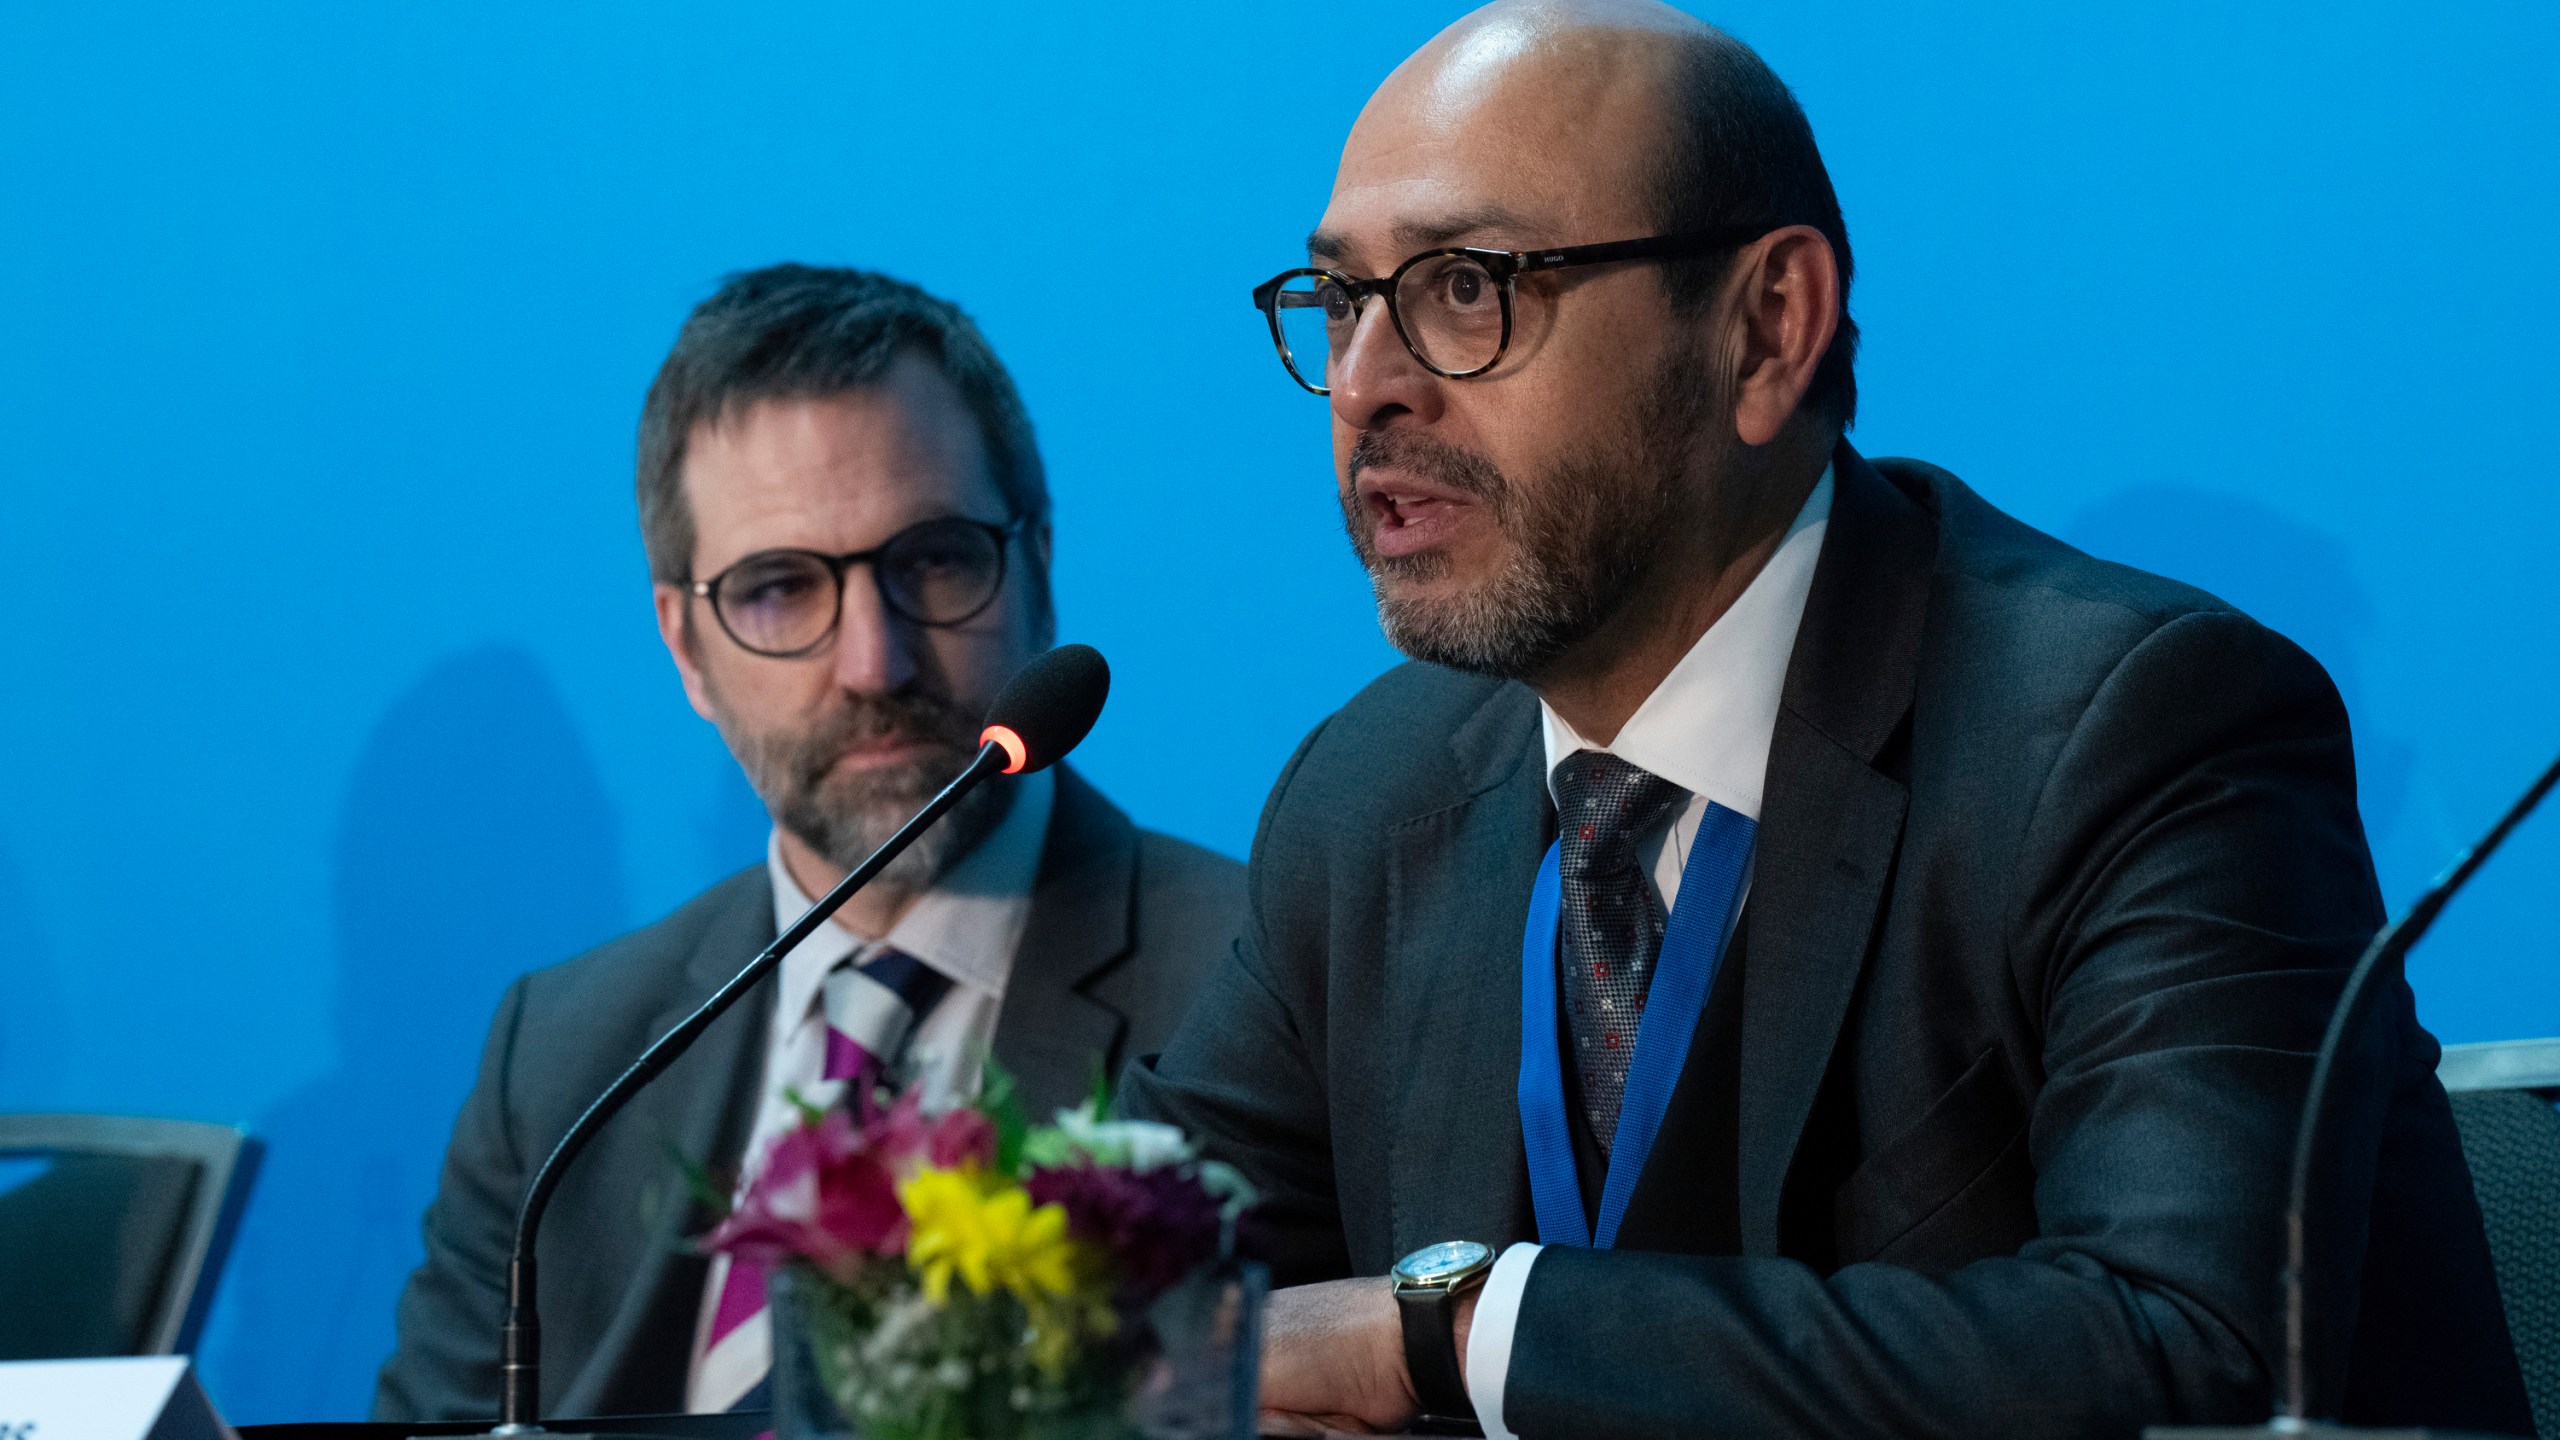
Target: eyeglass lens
(782,602)
(1450,305)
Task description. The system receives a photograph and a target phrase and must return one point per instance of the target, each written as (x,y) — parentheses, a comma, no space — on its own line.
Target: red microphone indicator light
(1016,754)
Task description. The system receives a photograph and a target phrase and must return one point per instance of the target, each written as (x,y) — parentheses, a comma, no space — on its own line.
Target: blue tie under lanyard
(1692,947)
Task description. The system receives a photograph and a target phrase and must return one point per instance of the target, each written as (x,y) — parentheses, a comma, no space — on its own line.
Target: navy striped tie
(871,1012)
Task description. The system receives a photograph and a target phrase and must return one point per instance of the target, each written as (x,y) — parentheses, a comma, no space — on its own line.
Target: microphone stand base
(729,1425)
(732,1425)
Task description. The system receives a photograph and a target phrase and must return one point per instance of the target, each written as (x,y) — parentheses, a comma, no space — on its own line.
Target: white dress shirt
(1706,728)
(967,926)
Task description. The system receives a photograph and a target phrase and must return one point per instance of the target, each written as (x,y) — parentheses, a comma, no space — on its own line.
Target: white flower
(905,1326)
(1234,1193)
(1135,1144)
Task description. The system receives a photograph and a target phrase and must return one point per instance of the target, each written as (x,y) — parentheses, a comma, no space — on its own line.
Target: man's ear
(1786,308)
(675,629)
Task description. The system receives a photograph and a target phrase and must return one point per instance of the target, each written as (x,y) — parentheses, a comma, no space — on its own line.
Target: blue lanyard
(1692,947)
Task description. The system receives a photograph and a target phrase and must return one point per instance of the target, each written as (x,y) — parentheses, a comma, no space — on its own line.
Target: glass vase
(802,1407)
(1193,1363)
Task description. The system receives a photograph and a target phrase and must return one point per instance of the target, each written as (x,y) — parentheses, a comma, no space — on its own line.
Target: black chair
(2503,1096)
(113,1231)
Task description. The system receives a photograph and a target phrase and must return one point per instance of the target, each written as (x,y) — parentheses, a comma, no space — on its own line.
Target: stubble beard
(846,815)
(1581,539)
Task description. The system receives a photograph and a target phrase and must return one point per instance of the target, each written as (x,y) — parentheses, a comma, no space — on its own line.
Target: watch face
(1448,1260)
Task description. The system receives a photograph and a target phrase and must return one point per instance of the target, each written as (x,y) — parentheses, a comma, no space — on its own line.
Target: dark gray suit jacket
(1987,1125)
(1124,924)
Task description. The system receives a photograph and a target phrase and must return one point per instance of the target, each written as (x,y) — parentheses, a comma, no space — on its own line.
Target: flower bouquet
(967,1276)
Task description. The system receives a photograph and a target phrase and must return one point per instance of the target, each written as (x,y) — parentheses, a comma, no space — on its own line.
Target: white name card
(147,1397)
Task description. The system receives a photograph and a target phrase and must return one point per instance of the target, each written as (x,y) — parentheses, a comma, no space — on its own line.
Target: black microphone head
(1047,708)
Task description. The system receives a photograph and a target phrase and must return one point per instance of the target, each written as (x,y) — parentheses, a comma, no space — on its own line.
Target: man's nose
(875,646)
(1376,377)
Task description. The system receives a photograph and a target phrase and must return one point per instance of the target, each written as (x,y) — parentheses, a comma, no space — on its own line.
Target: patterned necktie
(1612,922)
(873,1008)
(870,1011)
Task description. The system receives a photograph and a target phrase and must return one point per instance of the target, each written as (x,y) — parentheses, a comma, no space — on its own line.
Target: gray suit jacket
(1986,1128)
(1124,923)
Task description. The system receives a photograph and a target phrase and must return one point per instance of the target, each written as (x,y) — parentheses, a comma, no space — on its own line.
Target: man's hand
(1333,1359)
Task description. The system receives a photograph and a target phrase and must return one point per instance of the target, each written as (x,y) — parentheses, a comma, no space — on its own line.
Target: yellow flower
(985,1230)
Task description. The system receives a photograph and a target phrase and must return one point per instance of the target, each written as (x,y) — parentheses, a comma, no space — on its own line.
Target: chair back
(113,1231)
(2503,1095)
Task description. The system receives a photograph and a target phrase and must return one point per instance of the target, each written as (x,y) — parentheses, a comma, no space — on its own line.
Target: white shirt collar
(1706,727)
(967,926)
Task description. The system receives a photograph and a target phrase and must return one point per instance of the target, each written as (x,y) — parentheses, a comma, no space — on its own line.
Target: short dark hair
(803,332)
(1741,153)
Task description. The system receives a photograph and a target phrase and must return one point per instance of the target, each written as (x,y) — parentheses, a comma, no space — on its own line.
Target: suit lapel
(1458,884)
(704,1107)
(1831,822)
(1051,1033)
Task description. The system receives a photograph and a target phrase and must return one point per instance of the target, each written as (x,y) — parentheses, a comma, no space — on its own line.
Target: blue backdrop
(333,695)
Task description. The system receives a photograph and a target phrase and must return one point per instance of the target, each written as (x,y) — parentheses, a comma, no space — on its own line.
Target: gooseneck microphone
(2292,1420)
(1042,713)
(2385,952)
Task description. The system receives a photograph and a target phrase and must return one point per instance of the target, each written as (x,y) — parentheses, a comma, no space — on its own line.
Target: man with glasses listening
(848,529)
(1800,953)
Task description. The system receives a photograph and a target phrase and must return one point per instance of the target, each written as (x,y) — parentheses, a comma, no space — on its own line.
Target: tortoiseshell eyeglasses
(1452,308)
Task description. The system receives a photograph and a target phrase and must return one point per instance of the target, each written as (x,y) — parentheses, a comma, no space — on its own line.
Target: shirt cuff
(1489,1337)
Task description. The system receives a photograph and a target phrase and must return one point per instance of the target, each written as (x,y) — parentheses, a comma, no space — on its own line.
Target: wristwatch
(1428,1283)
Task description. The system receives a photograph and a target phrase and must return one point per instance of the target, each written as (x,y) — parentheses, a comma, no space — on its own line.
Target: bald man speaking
(1798,952)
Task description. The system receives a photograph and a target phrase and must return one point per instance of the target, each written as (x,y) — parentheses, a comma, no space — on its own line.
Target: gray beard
(1582,539)
(845,817)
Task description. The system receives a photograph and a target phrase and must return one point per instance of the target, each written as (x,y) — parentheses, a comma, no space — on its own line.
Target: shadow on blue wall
(2289,576)
(732,825)
(476,843)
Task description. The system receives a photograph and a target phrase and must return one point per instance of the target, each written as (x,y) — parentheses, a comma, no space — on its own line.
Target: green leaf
(704,1192)
(1048,1147)
(810,1115)
(1000,1100)
(1099,1094)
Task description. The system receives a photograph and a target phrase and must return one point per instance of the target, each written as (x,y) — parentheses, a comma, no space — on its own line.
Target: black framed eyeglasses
(1452,308)
(786,603)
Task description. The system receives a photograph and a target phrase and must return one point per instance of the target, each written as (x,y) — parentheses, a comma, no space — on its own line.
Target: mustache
(858,719)
(1425,458)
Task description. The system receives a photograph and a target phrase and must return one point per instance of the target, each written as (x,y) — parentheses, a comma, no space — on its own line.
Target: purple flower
(1156,1225)
(825,1195)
